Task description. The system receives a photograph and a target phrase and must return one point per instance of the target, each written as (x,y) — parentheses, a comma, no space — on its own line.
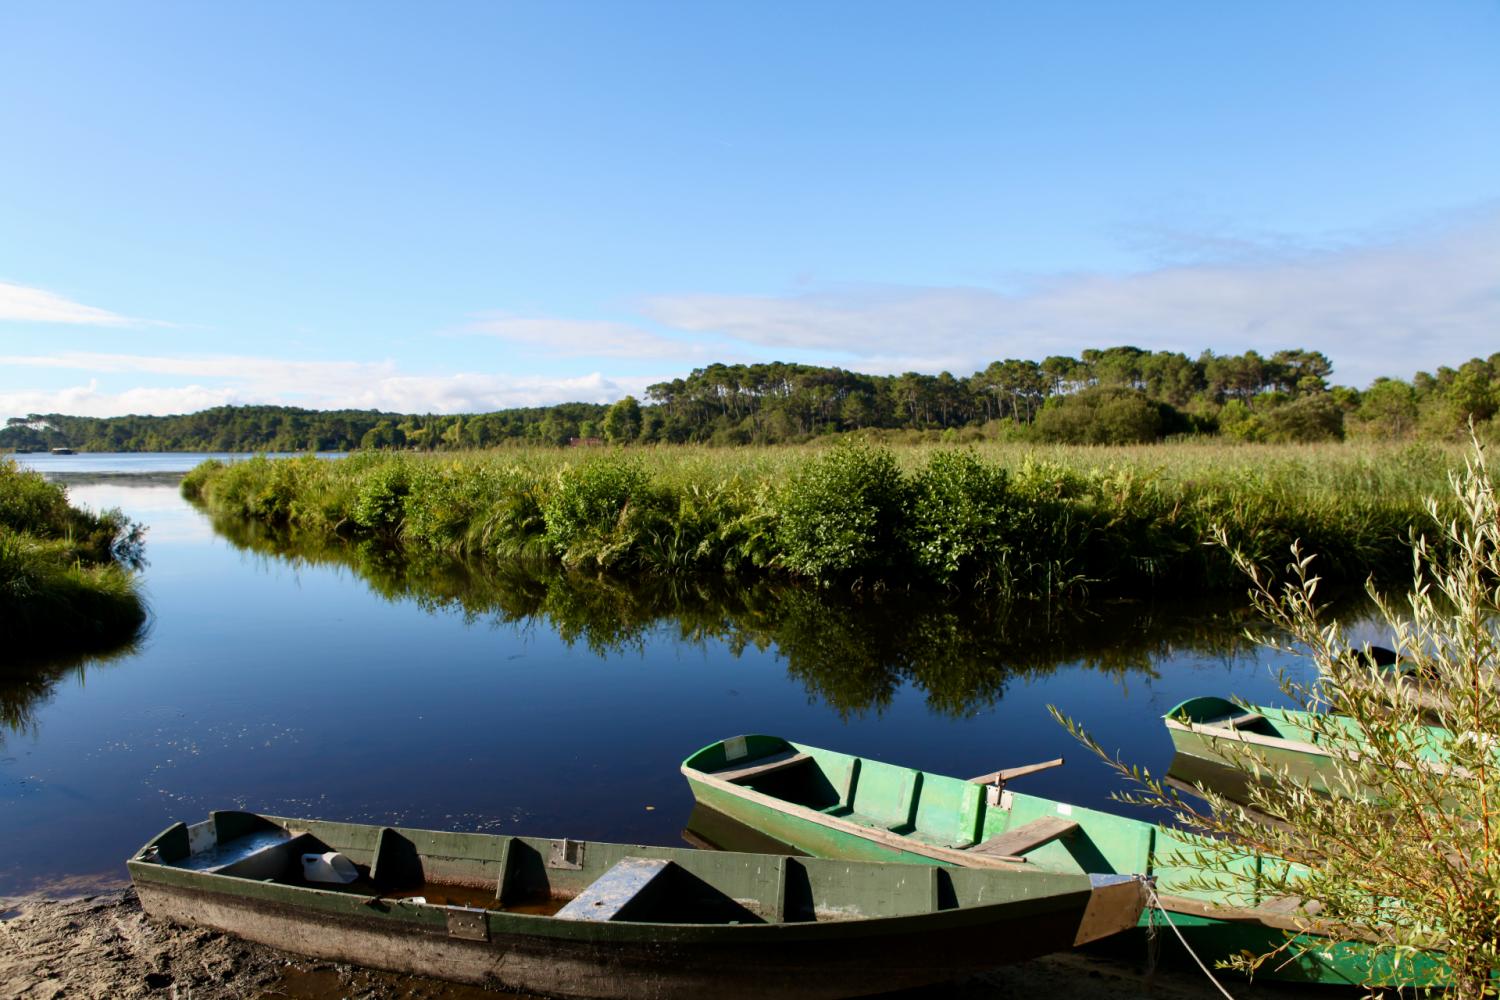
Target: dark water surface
(346,686)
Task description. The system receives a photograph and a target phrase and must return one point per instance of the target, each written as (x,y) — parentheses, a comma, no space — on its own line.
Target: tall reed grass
(1011,520)
(66,580)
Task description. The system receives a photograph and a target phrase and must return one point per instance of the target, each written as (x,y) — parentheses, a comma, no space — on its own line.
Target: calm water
(115,463)
(344,686)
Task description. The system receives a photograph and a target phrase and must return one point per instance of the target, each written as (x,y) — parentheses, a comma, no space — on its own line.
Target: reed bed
(67,585)
(1012,520)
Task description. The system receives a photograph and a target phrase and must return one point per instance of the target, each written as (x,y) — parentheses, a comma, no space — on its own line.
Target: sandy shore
(103,947)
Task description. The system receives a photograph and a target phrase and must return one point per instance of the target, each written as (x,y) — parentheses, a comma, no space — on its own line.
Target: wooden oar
(1006,774)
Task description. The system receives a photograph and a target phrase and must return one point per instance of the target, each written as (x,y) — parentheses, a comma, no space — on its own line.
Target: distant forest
(1112,396)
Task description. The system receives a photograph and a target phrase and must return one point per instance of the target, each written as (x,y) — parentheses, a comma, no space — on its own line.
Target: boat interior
(1220,713)
(568,879)
(951,813)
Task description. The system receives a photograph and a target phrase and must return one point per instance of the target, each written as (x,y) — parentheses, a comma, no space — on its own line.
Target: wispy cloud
(21,304)
(592,338)
(1387,306)
(220,380)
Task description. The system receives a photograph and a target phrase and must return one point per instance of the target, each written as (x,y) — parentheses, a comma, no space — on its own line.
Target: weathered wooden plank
(608,895)
(1010,773)
(778,763)
(1236,721)
(1027,836)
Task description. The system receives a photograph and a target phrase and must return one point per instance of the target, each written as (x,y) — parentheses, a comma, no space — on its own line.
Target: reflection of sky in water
(296,689)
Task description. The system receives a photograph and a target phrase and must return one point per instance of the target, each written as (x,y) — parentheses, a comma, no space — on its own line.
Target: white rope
(1155,903)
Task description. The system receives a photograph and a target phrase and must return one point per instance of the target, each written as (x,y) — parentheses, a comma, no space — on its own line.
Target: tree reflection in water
(850,650)
(27,683)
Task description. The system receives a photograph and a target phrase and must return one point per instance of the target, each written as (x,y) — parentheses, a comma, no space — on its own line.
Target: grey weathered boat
(584,919)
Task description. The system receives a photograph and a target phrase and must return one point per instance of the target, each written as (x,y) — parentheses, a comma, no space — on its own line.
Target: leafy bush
(1102,414)
(1305,419)
(960,512)
(64,580)
(595,510)
(842,514)
(380,498)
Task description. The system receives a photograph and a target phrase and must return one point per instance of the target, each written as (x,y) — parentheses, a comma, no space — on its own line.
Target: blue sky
(451,206)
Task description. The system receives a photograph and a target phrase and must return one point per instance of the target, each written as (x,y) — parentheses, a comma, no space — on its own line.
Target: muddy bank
(103,948)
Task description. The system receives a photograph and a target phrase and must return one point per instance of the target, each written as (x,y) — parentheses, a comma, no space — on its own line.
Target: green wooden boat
(834,805)
(1281,738)
(583,919)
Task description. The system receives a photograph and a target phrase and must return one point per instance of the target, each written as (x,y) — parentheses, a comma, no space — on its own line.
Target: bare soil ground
(103,947)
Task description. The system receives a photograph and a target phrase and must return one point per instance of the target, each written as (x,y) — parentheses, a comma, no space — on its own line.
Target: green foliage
(622,421)
(1104,396)
(1100,415)
(1388,409)
(380,497)
(841,515)
(1393,843)
(960,527)
(65,580)
(596,511)
(994,517)
(1305,420)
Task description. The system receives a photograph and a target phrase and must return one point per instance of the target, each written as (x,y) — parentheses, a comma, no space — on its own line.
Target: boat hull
(811,968)
(812,955)
(1212,933)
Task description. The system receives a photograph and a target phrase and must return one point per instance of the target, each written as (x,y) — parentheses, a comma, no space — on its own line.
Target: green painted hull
(517,912)
(836,806)
(1206,729)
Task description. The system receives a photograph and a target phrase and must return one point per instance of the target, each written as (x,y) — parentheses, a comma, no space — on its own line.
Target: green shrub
(380,498)
(200,476)
(842,514)
(64,579)
(597,510)
(29,503)
(1306,419)
(960,513)
(1102,414)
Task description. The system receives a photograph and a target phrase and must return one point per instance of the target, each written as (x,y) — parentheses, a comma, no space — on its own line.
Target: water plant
(1005,519)
(66,580)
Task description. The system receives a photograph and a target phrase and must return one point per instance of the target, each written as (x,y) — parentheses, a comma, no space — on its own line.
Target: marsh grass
(1014,520)
(67,584)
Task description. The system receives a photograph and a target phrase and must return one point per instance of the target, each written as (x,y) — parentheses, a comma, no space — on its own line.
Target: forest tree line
(1113,395)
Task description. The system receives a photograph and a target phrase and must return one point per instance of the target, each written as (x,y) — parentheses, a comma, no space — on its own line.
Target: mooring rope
(1154,902)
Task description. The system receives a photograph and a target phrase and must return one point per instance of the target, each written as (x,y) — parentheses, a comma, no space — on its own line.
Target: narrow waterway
(342,685)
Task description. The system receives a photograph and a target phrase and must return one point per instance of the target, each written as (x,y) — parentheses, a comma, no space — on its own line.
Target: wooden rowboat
(834,805)
(1280,739)
(583,919)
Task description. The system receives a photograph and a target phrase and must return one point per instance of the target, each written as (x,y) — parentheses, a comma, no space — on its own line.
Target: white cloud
(221,380)
(21,304)
(595,338)
(1379,308)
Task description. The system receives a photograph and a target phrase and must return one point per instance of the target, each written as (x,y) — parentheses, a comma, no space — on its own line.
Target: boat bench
(259,855)
(625,888)
(1235,721)
(1026,837)
(770,765)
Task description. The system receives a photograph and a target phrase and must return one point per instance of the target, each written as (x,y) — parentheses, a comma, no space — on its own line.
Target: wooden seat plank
(608,895)
(1236,721)
(1027,836)
(780,762)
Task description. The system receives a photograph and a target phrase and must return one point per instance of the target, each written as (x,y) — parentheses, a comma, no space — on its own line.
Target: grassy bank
(66,580)
(1005,520)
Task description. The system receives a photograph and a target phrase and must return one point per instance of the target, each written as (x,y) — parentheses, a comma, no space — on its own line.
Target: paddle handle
(1008,773)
